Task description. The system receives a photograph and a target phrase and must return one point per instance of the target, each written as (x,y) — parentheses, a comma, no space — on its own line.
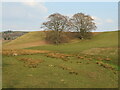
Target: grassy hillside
(81,64)
(103,44)
(105,39)
(27,40)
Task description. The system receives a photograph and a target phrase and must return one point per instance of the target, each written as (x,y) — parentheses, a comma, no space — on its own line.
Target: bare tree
(83,24)
(57,24)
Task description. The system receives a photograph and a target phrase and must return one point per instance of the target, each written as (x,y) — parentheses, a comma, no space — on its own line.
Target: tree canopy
(58,24)
(83,24)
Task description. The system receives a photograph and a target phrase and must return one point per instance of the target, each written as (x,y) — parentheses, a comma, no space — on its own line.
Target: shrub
(52,38)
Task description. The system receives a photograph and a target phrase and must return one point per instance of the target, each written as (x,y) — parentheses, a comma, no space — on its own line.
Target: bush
(73,35)
(51,37)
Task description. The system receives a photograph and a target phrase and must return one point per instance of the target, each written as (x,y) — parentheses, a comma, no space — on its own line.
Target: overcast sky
(30,15)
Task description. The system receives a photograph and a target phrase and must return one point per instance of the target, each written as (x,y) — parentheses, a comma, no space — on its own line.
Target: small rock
(62,80)
(50,65)
(15,54)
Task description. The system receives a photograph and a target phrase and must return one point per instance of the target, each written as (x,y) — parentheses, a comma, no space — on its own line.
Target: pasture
(78,64)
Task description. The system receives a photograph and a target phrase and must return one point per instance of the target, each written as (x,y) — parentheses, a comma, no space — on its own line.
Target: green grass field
(106,39)
(82,64)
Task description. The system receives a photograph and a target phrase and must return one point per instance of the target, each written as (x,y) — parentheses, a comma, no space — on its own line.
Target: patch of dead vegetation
(105,65)
(85,57)
(103,58)
(107,59)
(16,52)
(93,57)
(81,57)
(64,57)
(31,63)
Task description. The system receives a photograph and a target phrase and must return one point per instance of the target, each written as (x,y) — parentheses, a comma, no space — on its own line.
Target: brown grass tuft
(80,57)
(105,65)
(16,52)
(64,57)
(32,63)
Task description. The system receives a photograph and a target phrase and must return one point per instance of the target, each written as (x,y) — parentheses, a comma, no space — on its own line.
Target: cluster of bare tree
(57,25)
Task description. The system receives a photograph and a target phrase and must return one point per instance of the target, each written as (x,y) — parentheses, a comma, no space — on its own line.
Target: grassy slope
(90,75)
(98,42)
(27,40)
(16,75)
(29,37)
(105,39)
